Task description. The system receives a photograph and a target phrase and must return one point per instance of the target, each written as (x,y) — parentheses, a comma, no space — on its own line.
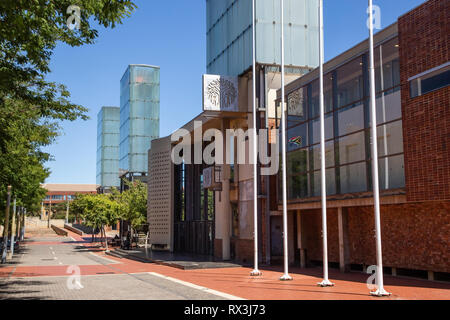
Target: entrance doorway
(194,212)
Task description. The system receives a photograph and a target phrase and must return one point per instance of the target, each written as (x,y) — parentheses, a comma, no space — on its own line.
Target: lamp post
(376,191)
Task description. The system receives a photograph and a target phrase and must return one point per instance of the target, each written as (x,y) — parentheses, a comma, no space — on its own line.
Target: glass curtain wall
(347,129)
(139,116)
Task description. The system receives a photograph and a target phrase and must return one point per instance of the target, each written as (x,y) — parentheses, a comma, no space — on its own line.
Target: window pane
(350,82)
(352,148)
(297,162)
(351,119)
(436,82)
(329,155)
(389,107)
(297,106)
(298,186)
(328,96)
(390,139)
(330,176)
(390,73)
(353,178)
(328,129)
(392,172)
(297,137)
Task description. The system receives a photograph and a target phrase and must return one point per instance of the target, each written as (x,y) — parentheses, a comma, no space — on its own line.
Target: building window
(347,130)
(58,197)
(430,80)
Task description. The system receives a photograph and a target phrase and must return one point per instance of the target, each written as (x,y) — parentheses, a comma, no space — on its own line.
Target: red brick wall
(312,227)
(424,36)
(244,251)
(414,236)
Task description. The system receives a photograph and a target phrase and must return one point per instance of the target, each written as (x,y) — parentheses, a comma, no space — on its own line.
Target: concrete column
(431,275)
(394,271)
(300,240)
(223,204)
(343,241)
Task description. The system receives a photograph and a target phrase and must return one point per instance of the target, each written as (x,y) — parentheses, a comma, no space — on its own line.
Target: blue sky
(172,35)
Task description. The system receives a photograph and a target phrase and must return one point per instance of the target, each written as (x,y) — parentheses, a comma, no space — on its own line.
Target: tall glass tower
(108,138)
(139,117)
(229,34)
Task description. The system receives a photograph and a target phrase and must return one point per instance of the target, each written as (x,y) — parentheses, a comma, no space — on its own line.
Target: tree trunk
(131,237)
(106,240)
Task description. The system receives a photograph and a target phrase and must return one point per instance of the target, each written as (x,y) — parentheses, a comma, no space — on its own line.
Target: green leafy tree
(134,204)
(30,106)
(97,211)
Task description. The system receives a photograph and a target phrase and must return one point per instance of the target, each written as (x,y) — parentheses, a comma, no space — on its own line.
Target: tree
(97,211)
(30,106)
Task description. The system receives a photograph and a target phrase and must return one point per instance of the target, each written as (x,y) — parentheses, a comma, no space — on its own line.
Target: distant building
(63,193)
(139,118)
(108,139)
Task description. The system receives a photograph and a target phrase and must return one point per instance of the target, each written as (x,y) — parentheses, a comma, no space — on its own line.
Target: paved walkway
(44,269)
(32,276)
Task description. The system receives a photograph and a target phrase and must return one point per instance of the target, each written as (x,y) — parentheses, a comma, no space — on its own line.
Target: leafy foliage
(98,210)
(31,107)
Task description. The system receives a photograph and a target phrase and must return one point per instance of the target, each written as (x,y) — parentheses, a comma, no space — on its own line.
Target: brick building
(412,85)
(413,136)
(63,193)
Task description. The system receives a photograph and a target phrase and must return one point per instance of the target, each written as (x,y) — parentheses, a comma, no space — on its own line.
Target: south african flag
(296,140)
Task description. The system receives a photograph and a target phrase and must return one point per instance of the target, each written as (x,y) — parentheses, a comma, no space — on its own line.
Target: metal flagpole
(13,227)
(285,276)
(325,282)
(376,192)
(255,272)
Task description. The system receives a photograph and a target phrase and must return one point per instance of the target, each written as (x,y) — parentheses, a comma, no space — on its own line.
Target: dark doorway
(276,238)
(194,212)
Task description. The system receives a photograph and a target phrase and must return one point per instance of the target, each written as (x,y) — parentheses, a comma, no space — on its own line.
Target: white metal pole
(255,272)
(67,210)
(285,276)
(325,282)
(376,191)
(13,227)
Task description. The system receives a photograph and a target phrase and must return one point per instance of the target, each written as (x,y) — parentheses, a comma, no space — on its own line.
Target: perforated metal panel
(160,193)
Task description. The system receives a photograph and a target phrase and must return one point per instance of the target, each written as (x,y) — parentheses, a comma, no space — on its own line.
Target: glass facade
(108,132)
(229,34)
(347,129)
(139,116)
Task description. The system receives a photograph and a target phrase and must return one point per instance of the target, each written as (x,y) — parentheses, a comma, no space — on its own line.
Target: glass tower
(108,137)
(139,116)
(229,34)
